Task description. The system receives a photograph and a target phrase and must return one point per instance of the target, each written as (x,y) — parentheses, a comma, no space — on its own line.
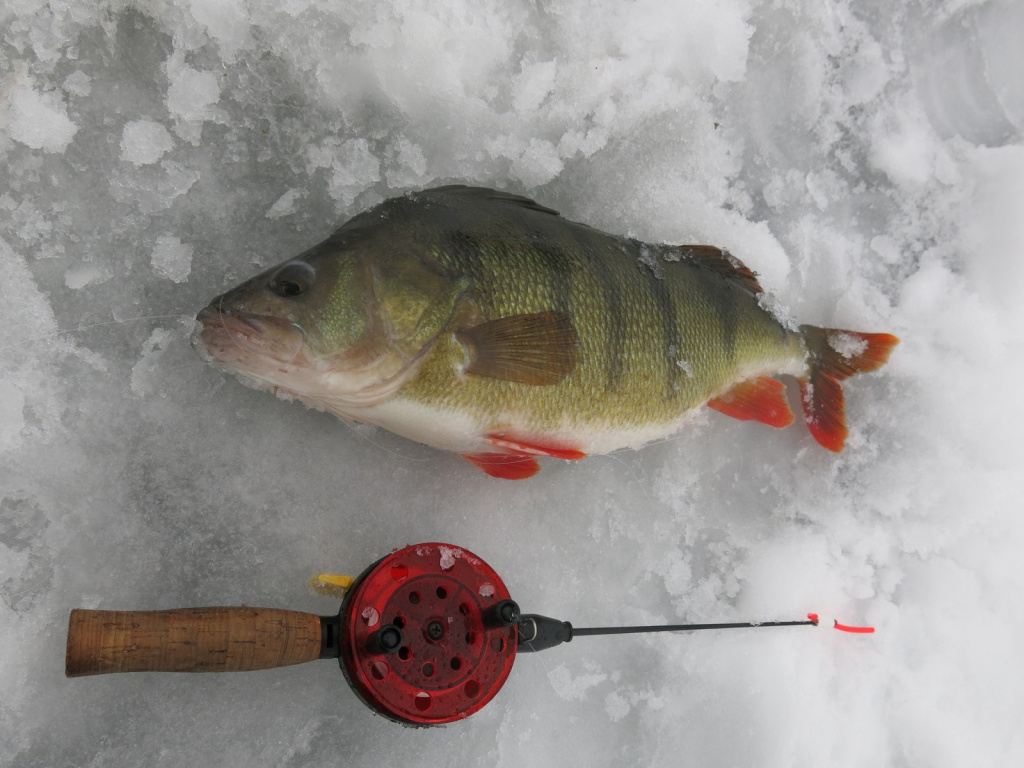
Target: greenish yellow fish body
(482,323)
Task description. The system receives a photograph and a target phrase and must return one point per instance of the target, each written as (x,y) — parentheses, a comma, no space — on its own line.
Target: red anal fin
(760,399)
(507,466)
(534,449)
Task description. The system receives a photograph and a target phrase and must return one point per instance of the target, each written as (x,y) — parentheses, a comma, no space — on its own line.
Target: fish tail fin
(834,355)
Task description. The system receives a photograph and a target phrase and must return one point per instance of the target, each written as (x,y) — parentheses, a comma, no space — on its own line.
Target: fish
(483,323)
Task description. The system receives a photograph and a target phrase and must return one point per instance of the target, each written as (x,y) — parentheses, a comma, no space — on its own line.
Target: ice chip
(846,344)
(144,142)
(36,119)
(448,556)
(285,204)
(172,258)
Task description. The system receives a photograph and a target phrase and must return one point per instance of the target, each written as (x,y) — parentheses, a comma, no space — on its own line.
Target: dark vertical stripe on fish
(719,291)
(671,338)
(559,268)
(611,293)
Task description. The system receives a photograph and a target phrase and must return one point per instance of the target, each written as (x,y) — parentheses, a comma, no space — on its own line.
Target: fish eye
(293,279)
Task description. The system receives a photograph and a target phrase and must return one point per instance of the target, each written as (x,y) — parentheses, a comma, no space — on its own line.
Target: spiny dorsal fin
(723,263)
(490,194)
(541,348)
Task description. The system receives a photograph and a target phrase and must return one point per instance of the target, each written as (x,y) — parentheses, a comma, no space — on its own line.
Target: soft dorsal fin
(720,261)
(490,194)
(541,348)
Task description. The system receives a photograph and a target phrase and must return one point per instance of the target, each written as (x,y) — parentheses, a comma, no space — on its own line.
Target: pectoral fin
(760,399)
(541,348)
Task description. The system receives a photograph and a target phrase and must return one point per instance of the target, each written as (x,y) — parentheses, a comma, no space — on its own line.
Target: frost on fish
(849,345)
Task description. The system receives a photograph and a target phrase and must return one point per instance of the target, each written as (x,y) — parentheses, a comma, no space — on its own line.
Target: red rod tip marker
(856,630)
(813,617)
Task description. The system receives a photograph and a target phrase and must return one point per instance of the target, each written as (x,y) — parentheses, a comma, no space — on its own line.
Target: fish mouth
(240,339)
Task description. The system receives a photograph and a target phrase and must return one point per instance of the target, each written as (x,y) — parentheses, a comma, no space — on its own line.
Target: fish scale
(483,323)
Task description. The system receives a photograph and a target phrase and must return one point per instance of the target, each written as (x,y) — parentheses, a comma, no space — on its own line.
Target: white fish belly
(461,432)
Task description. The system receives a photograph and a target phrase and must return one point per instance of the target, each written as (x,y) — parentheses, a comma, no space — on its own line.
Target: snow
(144,142)
(866,159)
(38,120)
(172,258)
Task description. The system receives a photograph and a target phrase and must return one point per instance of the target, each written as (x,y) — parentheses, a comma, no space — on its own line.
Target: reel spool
(427,634)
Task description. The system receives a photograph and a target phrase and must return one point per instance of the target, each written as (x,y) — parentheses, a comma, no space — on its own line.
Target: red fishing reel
(426,635)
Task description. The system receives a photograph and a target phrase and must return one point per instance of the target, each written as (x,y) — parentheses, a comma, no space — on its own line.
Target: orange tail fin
(835,355)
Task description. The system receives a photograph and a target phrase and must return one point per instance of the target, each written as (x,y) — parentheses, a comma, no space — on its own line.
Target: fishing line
(91,326)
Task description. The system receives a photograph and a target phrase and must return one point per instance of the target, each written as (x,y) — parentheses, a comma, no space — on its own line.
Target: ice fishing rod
(425,636)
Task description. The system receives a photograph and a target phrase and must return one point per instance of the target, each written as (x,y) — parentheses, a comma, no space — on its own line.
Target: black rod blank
(580,631)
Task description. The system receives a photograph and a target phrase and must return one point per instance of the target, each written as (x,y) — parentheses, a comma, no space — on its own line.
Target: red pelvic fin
(760,399)
(507,466)
(521,448)
(833,356)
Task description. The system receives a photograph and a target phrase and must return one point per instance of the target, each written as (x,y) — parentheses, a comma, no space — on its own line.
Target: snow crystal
(448,556)
(649,258)
(171,258)
(285,204)
(226,21)
(78,83)
(353,167)
(191,98)
(82,275)
(145,379)
(571,687)
(847,344)
(144,142)
(37,119)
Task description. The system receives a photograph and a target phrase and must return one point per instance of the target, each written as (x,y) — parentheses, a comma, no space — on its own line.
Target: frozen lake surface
(865,158)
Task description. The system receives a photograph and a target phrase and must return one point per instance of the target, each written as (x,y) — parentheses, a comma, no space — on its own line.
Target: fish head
(343,325)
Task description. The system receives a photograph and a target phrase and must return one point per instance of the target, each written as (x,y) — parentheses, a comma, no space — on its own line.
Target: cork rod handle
(189,640)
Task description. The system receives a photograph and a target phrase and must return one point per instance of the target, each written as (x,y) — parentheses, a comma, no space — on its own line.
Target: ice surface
(866,159)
